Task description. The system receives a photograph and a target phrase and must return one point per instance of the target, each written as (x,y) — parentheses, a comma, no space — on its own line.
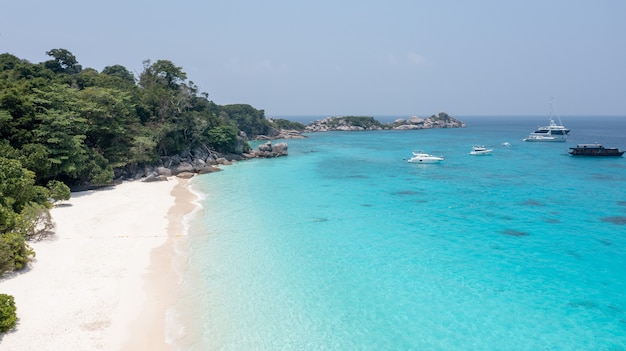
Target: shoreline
(158,326)
(109,276)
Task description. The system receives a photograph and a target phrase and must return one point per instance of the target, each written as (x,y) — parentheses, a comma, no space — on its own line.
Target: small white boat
(421,157)
(480,150)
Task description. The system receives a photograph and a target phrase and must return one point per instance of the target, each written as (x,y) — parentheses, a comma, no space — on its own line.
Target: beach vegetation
(16,252)
(280,123)
(76,125)
(58,191)
(247,119)
(22,205)
(8,313)
(65,125)
(223,138)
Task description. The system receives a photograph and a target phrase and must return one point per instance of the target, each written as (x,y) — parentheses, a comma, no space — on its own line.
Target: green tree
(8,62)
(162,73)
(247,119)
(281,123)
(168,97)
(58,190)
(143,149)
(63,61)
(223,138)
(15,250)
(111,123)
(8,313)
(18,196)
(120,72)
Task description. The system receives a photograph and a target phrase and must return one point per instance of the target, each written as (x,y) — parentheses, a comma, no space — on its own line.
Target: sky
(352,57)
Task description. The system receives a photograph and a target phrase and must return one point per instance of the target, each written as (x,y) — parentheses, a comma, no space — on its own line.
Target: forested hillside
(62,124)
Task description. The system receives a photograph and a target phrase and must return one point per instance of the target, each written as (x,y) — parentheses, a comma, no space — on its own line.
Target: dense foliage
(62,124)
(8,316)
(280,123)
(21,204)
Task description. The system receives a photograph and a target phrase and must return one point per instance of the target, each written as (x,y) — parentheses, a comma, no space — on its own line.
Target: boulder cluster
(267,150)
(198,161)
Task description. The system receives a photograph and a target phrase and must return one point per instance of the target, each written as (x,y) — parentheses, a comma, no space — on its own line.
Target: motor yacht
(480,150)
(551,132)
(421,157)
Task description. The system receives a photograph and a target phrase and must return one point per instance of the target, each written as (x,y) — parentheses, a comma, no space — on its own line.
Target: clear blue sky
(353,57)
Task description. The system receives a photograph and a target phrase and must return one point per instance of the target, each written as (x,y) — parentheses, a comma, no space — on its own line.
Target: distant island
(355,123)
(360,123)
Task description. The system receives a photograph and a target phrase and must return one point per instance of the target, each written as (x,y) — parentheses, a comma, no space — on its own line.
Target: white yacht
(421,157)
(480,150)
(552,132)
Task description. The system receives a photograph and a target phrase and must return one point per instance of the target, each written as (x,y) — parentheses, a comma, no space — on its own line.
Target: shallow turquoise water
(343,245)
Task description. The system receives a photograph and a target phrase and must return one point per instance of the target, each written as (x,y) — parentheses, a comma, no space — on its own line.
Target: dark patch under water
(614,308)
(551,220)
(532,202)
(319,219)
(621,203)
(619,220)
(406,192)
(575,254)
(513,232)
(367,205)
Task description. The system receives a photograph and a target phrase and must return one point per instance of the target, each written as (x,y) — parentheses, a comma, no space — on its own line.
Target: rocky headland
(190,163)
(198,161)
(202,160)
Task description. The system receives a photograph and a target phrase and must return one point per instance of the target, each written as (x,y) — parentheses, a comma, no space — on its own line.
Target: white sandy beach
(106,278)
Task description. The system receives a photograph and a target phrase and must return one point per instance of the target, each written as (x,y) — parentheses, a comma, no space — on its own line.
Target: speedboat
(480,150)
(421,157)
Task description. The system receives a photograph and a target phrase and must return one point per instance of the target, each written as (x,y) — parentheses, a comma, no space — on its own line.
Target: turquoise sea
(344,245)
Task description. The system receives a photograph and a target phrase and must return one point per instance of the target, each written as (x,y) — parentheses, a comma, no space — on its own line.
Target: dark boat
(594,150)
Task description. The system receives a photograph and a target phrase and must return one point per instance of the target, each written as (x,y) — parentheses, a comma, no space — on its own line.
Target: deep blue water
(344,245)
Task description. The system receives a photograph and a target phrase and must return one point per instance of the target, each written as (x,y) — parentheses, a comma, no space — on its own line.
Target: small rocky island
(353,123)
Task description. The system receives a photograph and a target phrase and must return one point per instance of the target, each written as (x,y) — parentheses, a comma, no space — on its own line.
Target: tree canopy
(63,125)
